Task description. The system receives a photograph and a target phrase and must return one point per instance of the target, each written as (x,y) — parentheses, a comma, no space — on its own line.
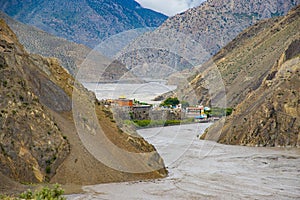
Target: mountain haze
(71,55)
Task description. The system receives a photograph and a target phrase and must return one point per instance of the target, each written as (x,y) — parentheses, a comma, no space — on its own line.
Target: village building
(141,112)
(194,111)
(124,103)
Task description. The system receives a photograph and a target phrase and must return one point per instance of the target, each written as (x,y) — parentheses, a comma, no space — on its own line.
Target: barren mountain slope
(192,37)
(244,62)
(85,22)
(38,139)
(269,113)
(70,54)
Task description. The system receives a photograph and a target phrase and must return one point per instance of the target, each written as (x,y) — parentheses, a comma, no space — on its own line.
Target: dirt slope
(38,139)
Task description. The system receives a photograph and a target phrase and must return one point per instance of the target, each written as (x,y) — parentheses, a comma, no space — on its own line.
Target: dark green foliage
(219,112)
(171,101)
(48,169)
(4,83)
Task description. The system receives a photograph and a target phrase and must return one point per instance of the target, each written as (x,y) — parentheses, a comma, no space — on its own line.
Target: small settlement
(131,109)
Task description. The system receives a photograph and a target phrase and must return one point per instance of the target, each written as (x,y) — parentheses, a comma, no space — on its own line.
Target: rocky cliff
(84,22)
(269,113)
(39,141)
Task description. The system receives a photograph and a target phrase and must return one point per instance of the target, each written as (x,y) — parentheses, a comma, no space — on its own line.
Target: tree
(171,101)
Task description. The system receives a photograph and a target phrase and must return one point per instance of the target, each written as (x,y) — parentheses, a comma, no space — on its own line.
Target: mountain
(71,55)
(244,62)
(85,22)
(260,69)
(192,37)
(36,41)
(41,137)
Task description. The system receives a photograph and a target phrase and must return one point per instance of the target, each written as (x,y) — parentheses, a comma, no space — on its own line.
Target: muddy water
(207,170)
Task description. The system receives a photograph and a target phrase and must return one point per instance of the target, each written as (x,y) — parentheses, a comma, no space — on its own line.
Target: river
(145,92)
(207,170)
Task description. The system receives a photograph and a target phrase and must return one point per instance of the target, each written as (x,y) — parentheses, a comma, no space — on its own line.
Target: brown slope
(268,114)
(38,138)
(245,61)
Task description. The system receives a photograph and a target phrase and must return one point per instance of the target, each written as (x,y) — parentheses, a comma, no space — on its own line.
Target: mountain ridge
(197,34)
(85,22)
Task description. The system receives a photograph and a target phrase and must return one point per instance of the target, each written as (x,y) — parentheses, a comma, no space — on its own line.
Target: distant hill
(197,34)
(40,139)
(85,22)
(260,69)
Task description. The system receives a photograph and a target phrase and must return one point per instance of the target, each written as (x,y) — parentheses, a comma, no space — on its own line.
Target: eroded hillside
(268,107)
(244,62)
(39,141)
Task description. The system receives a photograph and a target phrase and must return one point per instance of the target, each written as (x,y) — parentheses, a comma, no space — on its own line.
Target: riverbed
(207,170)
(144,92)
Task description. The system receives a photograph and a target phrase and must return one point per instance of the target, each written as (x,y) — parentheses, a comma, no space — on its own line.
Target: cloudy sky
(169,7)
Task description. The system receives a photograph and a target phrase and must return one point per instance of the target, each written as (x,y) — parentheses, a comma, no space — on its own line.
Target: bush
(46,193)
(185,104)
(48,169)
(171,102)
(4,83)
(219,112)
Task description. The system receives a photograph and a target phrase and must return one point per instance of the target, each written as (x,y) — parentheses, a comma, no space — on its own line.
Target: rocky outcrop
(32,145)
(39,141)
(269,115)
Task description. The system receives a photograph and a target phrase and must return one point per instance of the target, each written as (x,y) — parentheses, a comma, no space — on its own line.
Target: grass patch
(157,123)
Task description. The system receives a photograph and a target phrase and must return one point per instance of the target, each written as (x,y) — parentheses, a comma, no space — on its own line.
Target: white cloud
(169,7)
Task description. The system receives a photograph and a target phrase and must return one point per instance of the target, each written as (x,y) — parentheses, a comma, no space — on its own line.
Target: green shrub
(46,193)
(219,112)
(184,104)
(171,101)
(48,169)
(4,83)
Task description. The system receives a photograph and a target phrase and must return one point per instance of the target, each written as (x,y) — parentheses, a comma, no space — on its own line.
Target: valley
(79,82)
